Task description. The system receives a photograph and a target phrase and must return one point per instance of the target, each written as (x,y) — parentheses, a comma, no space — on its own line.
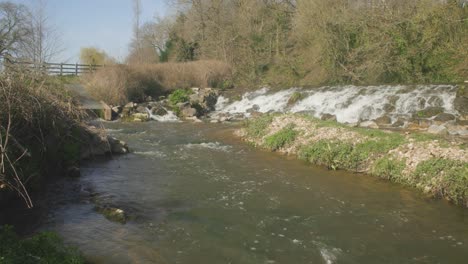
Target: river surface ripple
(196,194)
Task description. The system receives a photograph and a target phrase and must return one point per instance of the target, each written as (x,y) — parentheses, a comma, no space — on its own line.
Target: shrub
(37,120)
(120,84)
(388,168)
(43,248)
(447,178)
(334,155)
(256,127)
(281,138)
(179,96)
(295,97)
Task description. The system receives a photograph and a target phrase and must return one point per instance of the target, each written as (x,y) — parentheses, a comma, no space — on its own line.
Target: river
(196,194)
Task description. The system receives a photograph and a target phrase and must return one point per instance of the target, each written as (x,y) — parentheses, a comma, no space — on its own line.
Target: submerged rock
(112,214)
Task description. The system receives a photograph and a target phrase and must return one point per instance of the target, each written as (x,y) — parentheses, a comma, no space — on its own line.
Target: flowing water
(349,104)
(195,194)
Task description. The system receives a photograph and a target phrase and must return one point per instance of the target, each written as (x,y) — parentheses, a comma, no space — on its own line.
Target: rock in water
(435,129)
(368,124)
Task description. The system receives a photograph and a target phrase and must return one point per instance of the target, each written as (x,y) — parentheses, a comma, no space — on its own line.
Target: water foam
(350,103)
(210,145)
(169,117)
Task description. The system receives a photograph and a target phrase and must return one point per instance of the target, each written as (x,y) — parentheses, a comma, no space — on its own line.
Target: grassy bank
(433,165)
(41,137)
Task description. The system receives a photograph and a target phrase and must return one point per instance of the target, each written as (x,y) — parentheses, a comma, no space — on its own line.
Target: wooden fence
(59,68)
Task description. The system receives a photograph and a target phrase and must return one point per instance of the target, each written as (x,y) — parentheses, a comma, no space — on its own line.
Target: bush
(281,138)
(256,127)
(334,155)
(120,84)
(43,248)
(39,122)
(295,97)
(446,178)
(387,168)
(179,96)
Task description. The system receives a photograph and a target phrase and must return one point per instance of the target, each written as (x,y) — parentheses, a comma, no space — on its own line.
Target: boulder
(436,129)
(429,112)
(141,109)
(444,117)
(73,172)
(383,121)
(188,112)
(158,110)
(127,110)
(140,117)
(117,109)
(328,117)
(399,123)
(368,124)
(117,146)
(112,214)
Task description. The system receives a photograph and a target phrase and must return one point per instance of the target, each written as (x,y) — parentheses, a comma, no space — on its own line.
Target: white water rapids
(349,104)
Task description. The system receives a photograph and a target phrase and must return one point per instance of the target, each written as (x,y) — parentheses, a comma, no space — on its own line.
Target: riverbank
(435,165)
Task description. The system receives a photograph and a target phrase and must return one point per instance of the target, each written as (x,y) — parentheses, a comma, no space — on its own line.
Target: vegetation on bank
(120,84)
(312,42)
(433,165)
(42,248)
(40,129)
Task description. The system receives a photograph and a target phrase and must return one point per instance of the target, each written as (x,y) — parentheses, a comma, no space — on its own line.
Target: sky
(104,24)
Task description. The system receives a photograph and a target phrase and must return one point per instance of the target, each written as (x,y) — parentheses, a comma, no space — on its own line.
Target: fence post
(76,69)
(61,69)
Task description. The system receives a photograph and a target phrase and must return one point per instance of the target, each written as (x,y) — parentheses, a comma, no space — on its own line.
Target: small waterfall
(350,103)
(169,117)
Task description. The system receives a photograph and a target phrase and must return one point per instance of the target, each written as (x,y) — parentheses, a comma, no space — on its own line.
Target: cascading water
(350,103)
(169,117)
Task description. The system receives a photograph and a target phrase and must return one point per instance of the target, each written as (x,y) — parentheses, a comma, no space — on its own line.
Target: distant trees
(94,56)
(294,42)
(13,28)
(26,34)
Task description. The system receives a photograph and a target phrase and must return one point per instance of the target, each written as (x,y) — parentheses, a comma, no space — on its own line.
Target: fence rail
(59,68)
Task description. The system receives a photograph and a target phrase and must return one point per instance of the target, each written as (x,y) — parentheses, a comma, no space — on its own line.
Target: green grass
(295,97)
(446,178)
(281,138)
(256,128)
(388,168)
(42,248)
(179,96)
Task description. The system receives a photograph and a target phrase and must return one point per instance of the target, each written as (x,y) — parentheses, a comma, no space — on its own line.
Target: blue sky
(104,24)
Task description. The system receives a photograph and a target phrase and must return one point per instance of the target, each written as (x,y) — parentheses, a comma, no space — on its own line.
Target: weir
(350,104)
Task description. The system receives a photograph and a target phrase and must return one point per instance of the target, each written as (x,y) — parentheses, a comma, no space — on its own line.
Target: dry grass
(120,84)
(36,117)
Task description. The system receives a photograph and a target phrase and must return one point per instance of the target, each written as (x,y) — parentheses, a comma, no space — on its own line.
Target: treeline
(313,42)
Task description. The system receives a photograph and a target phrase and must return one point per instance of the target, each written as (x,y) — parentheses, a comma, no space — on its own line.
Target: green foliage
(256,127)
(388,168)
(342,155)
(295,97)
(42,248)
(179,96)
(281,138)
(334,155)
(447,178)
(93,56)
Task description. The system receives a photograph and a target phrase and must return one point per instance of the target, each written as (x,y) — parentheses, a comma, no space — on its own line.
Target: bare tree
(43,42)
(13,29)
